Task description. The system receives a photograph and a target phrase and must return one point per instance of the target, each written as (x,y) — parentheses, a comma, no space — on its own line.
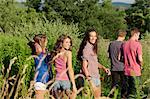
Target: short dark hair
(134,31)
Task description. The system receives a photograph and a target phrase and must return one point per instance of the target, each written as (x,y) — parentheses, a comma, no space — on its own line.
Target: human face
(66,43)
(93,37)
(137,35)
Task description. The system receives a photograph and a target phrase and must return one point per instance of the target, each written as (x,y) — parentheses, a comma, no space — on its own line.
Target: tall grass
(12,46)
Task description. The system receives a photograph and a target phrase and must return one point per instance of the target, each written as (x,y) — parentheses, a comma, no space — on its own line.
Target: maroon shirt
(132,49)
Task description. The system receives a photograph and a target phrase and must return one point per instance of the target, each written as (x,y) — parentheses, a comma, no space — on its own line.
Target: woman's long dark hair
(58,46)
(84,42)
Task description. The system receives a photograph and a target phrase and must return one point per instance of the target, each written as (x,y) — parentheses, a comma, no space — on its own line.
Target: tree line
(83,13)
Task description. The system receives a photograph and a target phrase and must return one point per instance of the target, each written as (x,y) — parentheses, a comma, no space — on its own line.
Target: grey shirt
(114,50)
(92,60)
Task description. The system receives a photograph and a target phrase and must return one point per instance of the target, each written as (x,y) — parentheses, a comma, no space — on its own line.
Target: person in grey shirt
(117,65)
(87,55)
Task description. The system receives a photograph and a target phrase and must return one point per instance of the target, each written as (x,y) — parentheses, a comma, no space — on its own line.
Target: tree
(64,9)
(139,15)
(36,4)
(89,13)
(85,13)
(111,19)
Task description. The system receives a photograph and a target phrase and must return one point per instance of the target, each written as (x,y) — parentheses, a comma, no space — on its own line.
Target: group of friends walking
(126,62)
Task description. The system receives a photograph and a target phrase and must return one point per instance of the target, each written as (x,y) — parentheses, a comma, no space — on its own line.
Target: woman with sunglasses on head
(61,56)
(43,71)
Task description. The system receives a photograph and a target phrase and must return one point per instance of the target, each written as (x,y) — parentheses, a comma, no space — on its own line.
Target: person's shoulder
(87,47)
(138,43)
(111,44)
(124,42)
(68,53)
(114,43)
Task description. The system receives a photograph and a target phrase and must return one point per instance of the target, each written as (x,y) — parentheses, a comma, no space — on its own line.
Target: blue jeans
(62,85)
(96,81)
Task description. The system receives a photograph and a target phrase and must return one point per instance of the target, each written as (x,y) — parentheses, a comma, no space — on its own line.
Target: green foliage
(87,13)
(58,17)
(18,20)
(65,8)
(146,59)
(104,60)
(17,24)
(33,4)
(111,20)
(139,15)
(10,47)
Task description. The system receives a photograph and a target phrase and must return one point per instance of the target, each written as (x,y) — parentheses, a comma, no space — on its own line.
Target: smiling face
(66,43)
(92,37)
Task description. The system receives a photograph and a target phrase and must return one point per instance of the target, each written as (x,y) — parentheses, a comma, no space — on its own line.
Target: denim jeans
(62,84)
(96,81)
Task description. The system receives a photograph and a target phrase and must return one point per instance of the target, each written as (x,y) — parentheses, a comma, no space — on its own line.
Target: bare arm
(84,67)
(71,72)
(140,59)
(119,55)
(104,68)
(139,52)
(101,66)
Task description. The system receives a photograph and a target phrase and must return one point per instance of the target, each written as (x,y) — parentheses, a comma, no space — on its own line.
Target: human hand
(88,78)
(107,70)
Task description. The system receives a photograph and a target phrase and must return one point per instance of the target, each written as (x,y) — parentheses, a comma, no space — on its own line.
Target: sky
(125,1)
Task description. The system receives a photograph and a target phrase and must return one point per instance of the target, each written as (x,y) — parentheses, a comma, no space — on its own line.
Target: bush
(146,59)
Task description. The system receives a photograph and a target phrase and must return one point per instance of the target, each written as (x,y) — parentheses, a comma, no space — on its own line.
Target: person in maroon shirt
(132,51)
